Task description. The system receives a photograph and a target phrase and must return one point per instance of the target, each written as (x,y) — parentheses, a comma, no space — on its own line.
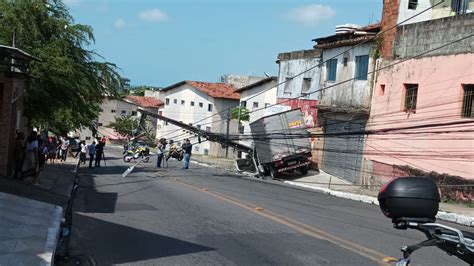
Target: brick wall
(389,19)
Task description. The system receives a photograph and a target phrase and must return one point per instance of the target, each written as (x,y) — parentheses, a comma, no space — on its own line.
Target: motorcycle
(412,203)
(138,153)
(176,153)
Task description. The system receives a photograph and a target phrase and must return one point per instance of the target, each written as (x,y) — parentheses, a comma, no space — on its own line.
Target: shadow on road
(129,244)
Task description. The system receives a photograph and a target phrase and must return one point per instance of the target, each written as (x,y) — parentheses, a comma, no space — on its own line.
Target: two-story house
(344,98)
(205,105)
(423,94)
(260,99)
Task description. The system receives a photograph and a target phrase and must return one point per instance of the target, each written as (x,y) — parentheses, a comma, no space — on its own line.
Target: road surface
(206,216)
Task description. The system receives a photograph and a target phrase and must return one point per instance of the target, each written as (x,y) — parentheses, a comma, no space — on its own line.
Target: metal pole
(14,37)
(227,133)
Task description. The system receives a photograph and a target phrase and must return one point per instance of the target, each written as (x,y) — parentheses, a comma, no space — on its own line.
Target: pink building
(422,112)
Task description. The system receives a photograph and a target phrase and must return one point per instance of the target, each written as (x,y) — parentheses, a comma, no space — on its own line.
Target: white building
(256,97)
(298,82)
(112,108)
(204,105)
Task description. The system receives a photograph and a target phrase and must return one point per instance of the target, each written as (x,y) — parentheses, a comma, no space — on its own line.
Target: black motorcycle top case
(410,199)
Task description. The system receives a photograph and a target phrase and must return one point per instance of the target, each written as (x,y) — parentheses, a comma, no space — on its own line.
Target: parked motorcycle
(175,153)
(412,203)
(137,153)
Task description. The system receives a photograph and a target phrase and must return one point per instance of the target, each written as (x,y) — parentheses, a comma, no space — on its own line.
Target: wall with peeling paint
(293,88)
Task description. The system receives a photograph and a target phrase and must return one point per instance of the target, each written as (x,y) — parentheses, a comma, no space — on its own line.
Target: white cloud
(153,15)
(120,23)
(71,2)
(311,15)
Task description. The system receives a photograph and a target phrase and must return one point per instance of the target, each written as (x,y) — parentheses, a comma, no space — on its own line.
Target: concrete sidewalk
(30,216)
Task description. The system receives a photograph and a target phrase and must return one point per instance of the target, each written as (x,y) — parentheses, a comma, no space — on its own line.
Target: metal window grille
(460,6)
(468,101)
(362,66)
(411,93)
(331,67)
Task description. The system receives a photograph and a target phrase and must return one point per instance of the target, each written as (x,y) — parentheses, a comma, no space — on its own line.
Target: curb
(444,216)
(53,236)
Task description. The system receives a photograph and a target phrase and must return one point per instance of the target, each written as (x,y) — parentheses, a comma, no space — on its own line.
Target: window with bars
(411,93)
(468,101)
(362,67)
(331,68)
(460,6)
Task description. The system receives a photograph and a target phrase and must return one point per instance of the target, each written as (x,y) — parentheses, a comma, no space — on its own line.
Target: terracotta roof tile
(146,102)
(216,90)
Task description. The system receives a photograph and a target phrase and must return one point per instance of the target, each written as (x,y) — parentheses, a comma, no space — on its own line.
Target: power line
(319,64)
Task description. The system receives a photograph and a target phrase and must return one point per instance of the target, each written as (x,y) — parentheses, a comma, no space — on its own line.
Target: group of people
(32,154)
(95,150)
(186,147)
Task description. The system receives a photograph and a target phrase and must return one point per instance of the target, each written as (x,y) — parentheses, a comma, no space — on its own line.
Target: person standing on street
(187,147)
(64,146)
(99,150)
(160,151)
(91,149)
(82,156)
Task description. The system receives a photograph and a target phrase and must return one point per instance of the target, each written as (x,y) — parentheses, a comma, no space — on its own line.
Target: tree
(129,126)
(68,83)
(240,113)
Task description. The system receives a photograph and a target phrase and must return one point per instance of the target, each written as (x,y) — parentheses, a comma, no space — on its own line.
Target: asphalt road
(207,216)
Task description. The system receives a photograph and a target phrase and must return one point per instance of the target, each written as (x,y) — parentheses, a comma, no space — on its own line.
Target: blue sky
(159,43)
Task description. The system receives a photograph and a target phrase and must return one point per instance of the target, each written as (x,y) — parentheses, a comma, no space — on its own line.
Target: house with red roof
(115,107)
(204,105)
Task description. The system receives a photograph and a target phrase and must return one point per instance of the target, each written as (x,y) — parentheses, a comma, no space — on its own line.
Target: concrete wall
(219,125)
(351,94)
(112,108)
(293,64)
(240,81)
(440,82)
(415,39)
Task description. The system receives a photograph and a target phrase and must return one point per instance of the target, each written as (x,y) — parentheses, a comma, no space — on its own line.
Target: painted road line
(296,225)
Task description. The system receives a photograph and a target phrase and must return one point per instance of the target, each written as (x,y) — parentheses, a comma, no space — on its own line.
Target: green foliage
(241,113)
(129,126)
(68,83)
(126,126)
